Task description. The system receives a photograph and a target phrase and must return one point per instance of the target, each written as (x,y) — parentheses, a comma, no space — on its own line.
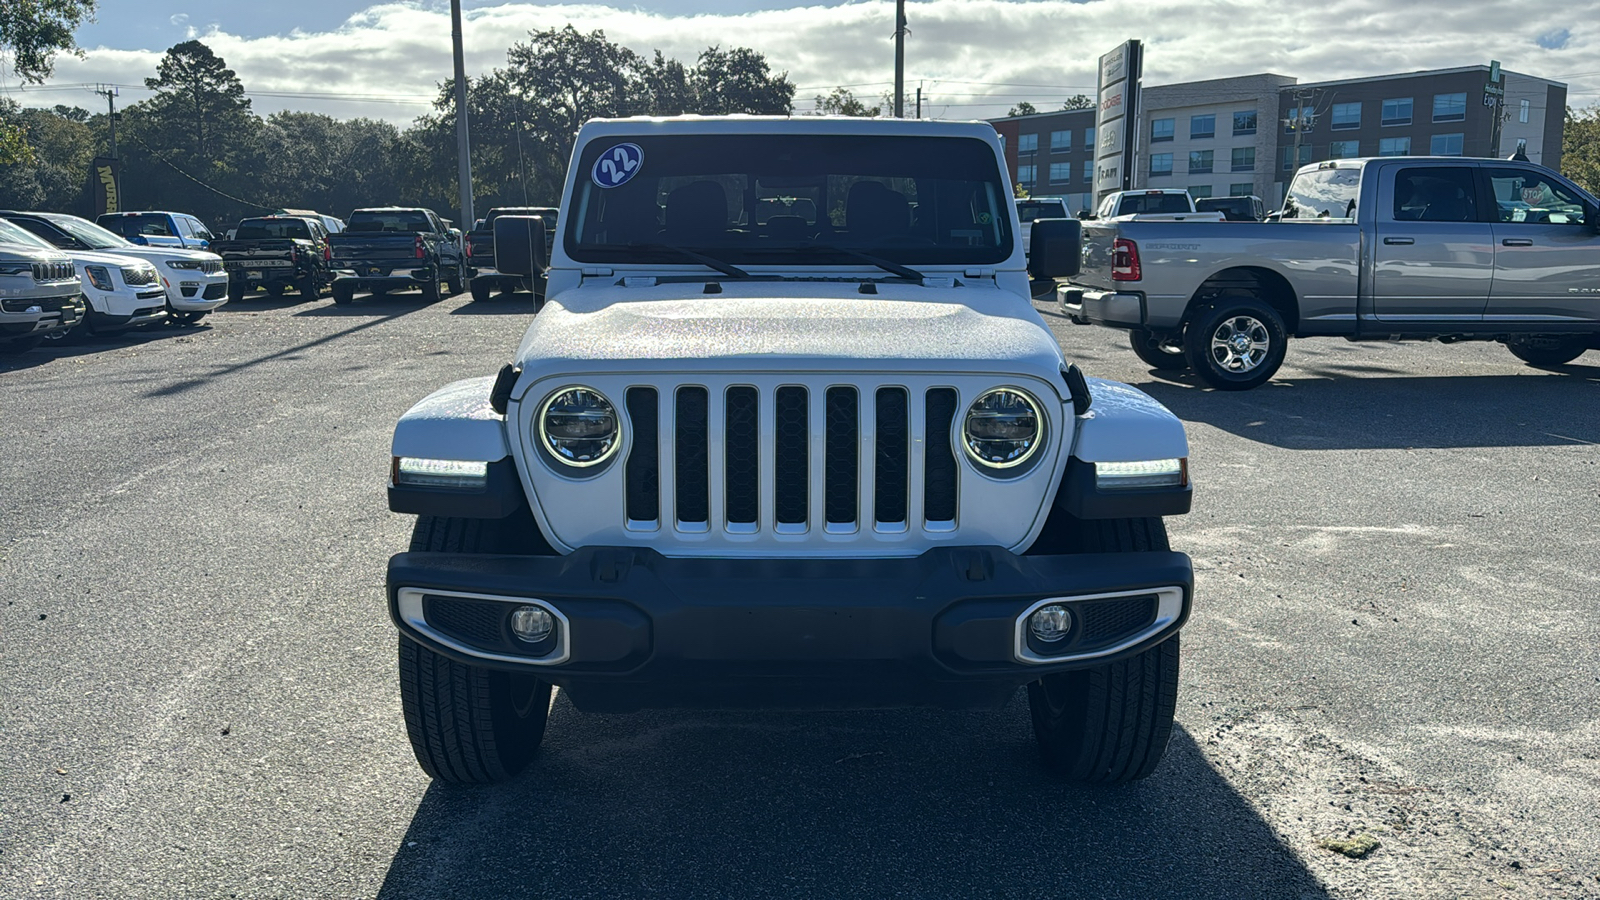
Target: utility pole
(919,101)
(1300,122)
(110,93)
(463,142)
(899,59)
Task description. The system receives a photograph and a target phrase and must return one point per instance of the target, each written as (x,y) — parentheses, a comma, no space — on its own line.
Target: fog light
(532,623)
(1050,623)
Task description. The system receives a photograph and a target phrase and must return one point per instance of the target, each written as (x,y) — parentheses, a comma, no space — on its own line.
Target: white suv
(788,432)
(122,291)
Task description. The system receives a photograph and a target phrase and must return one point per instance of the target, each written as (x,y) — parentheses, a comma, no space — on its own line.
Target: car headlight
(578,426)
(100,277)
(185,263)
(1002,428)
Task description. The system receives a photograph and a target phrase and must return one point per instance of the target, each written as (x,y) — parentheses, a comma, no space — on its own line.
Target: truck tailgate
(373,246)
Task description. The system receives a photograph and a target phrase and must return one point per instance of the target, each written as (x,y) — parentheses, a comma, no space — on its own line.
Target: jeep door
(1547,252)
(1433,259)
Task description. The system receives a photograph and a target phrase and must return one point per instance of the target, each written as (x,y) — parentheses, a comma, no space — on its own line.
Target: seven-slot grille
(792,459)
(211,266)
(54,271)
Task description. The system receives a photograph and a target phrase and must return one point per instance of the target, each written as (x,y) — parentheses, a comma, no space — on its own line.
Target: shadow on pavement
(518,304)
(1344,410)
(90,344)
(906,803)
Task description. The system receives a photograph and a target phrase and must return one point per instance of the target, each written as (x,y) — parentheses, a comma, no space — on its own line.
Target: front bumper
(193,291)
(26,318)
(127,308)
(637,629)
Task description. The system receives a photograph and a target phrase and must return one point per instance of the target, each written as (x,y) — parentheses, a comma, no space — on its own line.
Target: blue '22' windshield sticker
(617,165)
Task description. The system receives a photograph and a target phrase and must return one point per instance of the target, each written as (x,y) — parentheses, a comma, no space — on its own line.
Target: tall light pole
(899,59)
(463,142)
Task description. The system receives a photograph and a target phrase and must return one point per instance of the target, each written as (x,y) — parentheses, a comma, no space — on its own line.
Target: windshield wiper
(710,262)
(889,266)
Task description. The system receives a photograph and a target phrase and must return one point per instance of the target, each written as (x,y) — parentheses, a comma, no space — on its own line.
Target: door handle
(1517,242)
(1399,241)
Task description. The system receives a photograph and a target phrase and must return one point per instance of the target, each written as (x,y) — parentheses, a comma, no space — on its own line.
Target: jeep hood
(773,326)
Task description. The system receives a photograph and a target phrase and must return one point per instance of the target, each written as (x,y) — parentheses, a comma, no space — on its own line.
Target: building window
(1161,129)
(1060,142)
(1446,145)
(1399,146)
(1088,138)
(1241,189)
(1088,170)
(1027,143)
(1397,111)
(1344,149)
(1060,173)
(1200,161)
(1449,107)
(1161,164)
(1287,161)
(1244,159)
(1522,115)
(1345,116)
(1199,191)
(1202,126)
(1244,122)
(1300,118)
(1026,174)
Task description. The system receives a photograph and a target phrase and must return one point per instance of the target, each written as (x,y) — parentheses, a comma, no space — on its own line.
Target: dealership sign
(1116,117)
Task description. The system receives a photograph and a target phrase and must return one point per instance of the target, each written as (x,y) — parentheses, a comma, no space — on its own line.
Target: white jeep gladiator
(788,433)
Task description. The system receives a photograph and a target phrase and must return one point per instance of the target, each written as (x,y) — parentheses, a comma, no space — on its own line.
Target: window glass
(1161,129)
(1199,190)
(1298,118)
(1202,126)
(1397,146)
(1446,145)
(1060,141)
(1244,159)
(1345,115)
(1323,194)
(1028,210)
(1027,143)
(1088,170)
(200,230)
(146,224)
(1397,111)
(1435,194)
(1343,149)
(1027,174)
(257,229)
(1240,189)
(1528,197)
(1200,161)
(1244,122)
(404,221)
(1060,172)
(183,226)
(912,199)
(1287,159)
(1161,164)
(1153,202)
(1522,115)
(1088,138)
(1449,107)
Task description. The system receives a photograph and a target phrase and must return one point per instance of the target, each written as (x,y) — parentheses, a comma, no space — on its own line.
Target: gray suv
(39,294)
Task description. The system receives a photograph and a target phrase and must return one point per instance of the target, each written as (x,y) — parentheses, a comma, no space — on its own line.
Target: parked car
(826,460)
(333,224)
(1156,204)
(480,253)
(1244,208)
(1038,208)
(159,229)
(121,292)
(389,248)
(39,295)
(276,253)
(193,279)
(1407,248)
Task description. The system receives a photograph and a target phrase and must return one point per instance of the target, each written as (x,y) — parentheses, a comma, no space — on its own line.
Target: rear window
(398,222)
(142,224)
(1028,210)
(1323,194)
(256,229)
(776,198)
(1145,204)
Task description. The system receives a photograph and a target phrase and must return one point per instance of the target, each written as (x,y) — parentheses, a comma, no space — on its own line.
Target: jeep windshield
(783,199)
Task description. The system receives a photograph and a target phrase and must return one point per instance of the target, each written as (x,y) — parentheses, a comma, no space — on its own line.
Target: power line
(208,187)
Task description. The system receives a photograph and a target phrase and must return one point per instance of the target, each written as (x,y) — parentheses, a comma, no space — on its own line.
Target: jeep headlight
(1002,428)
(185,264)
(100,277)
(578,426)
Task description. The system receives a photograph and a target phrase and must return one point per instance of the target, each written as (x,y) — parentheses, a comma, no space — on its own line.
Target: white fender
(1124,424)
(454,422)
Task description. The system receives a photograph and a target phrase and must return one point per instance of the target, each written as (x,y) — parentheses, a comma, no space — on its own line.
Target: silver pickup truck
(1395,248)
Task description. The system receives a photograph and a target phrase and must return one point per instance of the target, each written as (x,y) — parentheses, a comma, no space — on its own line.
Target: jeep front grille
(47,272)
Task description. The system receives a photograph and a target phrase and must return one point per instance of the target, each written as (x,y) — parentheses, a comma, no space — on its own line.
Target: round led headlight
(578,426)
(1002,429)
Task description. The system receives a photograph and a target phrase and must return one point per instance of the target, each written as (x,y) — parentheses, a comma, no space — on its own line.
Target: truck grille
(780,474)
(54,271)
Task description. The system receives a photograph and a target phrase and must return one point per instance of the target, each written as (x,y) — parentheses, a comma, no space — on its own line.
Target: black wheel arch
(1265,284)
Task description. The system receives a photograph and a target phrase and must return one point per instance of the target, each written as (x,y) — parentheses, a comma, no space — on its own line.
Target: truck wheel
(308,287)
(430,291)
(343,294)
(457,283)
(481,291)
(468,724)
(1235,342)
(1109,724)
(1548,350)
(276,288)
(235,291)
(1157,354)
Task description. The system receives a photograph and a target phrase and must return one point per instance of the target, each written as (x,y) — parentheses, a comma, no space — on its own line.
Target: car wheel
(343,294)
(277,288)
(1548,350)
(235,291)
(467,724)
(481,291)
(1235,342)
(184,318)
(1160,354)
(1109,724)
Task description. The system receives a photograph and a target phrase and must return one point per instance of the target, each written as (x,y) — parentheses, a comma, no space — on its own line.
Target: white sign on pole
(1115,118)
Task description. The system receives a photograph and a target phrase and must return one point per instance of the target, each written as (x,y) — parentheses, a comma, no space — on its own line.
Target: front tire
(481,291)
(468,724)
(236,291)
(1157,354)
(1235,342)
(343,294)
(1108,724)
(1548,351)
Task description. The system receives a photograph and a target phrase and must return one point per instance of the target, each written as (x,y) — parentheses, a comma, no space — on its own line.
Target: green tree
(1580,147)
(843,102)
(1023,109)
(739,81)
(198,96)
(34,31)
(57,147)
(1078,101)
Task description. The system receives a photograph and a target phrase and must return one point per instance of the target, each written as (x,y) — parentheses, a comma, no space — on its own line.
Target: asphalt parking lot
(1397,563)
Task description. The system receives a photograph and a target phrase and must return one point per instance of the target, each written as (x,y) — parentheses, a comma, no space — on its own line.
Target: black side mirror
(519,245)
(1056,249)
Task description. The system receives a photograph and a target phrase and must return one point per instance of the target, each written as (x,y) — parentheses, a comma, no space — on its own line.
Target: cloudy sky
(973,58)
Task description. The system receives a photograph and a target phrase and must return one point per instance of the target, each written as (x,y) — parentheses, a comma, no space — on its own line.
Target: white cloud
(180,19)
(964,52)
